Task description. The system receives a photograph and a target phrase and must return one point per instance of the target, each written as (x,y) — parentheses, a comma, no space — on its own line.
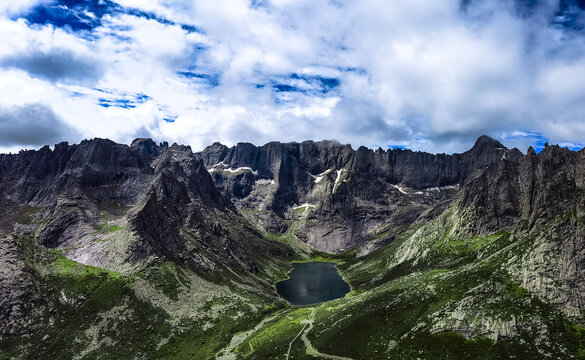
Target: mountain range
(153,251)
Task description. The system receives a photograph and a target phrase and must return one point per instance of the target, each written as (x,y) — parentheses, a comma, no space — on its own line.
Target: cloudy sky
(423,74)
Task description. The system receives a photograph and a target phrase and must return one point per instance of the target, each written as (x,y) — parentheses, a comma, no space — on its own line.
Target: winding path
(227,352)
(310,348)
(305,322)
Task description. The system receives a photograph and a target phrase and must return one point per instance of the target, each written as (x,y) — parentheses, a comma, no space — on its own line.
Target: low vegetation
(434,292)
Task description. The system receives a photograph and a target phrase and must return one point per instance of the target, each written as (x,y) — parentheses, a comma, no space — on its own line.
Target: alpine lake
(312,282)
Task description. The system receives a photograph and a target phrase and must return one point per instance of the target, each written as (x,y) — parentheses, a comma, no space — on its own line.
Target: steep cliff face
(342,194)
(152,191)
(185,217)
(514,236)
(552,186)
(153,251)
(18,288)
(119,208)
(502,261)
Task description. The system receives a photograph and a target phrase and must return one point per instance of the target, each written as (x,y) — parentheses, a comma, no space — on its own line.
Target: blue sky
(422,74)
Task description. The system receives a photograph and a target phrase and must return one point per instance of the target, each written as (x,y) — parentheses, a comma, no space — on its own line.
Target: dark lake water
(311,283)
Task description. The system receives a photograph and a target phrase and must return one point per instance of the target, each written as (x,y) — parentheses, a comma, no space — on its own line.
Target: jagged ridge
(350,192)
(487,244)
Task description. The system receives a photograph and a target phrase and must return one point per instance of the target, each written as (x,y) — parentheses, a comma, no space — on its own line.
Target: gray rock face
(540,200)
(182,198)
(552,207)
(119,208)
(163,195)
(17,289)
(99,201)
(349,192)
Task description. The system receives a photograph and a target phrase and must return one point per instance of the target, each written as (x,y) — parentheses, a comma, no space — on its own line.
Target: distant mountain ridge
(120,208)
(153,251)
(349,191)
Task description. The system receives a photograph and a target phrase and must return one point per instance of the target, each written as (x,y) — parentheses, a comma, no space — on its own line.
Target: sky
(426,75)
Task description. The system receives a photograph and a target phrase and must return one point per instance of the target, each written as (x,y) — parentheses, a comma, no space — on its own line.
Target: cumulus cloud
(16,7)
(429,75)
(49,53)
(33,125)
(55,65)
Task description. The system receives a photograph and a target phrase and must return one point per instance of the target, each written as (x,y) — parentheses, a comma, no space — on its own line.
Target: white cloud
(420,73)
(16,7)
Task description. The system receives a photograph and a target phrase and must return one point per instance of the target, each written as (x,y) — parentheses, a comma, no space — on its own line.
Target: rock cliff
(119,208)
(342,194)
(154,251)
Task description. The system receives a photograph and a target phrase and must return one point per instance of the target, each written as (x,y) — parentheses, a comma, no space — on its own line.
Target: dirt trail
(227,352)
(310,348)
(305,323)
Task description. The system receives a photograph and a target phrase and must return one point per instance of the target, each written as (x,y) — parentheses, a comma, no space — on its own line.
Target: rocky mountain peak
(486,142)
(146,141)
(181,148)
(174,230)
(146,148)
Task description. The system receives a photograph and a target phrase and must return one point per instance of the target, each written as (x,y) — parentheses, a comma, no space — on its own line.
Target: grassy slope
(452,298)
(435,292)
(83,311)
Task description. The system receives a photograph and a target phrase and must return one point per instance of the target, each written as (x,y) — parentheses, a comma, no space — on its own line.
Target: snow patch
(337,179)
(243,168)
(305,206)
(265,182)
(442,188)
(214,168)
(400,188)
(220,167)
(320,177)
